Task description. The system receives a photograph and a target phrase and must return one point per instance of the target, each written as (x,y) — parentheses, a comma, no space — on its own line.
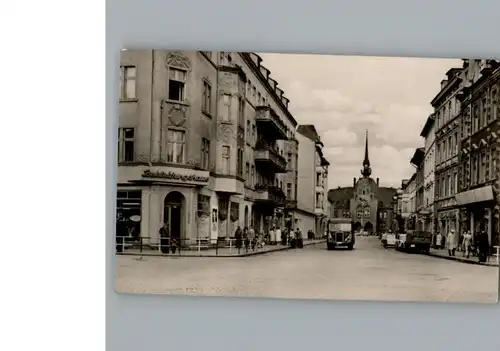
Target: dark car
(417,241)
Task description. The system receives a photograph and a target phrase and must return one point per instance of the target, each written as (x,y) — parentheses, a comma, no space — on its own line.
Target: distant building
(371,207)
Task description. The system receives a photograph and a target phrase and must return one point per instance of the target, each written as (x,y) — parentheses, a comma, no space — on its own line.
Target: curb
(462,260)
(214,256)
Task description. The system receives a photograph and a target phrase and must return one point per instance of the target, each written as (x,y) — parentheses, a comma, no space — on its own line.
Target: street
(370,272)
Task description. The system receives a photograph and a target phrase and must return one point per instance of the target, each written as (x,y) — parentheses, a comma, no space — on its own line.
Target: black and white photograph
(305,176)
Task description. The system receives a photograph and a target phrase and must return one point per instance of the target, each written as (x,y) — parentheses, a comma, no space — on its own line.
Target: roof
(427,126)
(418,157)
(386,194)
(340,197)
(309,131)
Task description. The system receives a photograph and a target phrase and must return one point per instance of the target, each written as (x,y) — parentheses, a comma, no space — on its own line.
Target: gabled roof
(427,126)
(418,157)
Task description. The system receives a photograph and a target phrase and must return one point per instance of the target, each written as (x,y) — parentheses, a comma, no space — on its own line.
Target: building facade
(201,144)
(312,211)
(371,207)
(429,176)
(479,171)
(421,214)
(447,127)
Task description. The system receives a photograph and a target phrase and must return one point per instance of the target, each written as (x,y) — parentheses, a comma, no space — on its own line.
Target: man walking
(451,243)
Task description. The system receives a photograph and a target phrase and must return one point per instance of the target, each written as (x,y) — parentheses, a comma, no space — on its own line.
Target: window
(239,169)
(482,168)
(455,182)
(128,82)
(225,159)
(126,142)
(247,173)
(253,130)
(258,99)
(241,111)
(176,84)
(206,102)
(318,200)
(248,130)
(205,153)
(252,179)
(289,190)
(175,146)
(455,142)
(226,111)
(289,159)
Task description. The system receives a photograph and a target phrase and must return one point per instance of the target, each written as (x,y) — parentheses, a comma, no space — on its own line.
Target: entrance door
(172,213)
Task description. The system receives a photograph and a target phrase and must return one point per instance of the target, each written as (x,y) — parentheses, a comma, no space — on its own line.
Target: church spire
(366,171)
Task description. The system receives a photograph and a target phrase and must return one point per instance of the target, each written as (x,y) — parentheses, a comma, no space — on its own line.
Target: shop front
(479,212)
(168,195)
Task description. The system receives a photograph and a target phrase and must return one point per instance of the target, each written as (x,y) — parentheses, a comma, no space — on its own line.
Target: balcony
(266,157)
(269,124)
(269,194)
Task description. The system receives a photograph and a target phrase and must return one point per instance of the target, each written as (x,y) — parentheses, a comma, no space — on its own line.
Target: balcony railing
(266,155)
(269,123)
(270,193)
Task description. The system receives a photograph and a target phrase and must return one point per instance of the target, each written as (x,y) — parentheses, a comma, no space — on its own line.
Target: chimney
(443,83)
(377,181)
(353,181)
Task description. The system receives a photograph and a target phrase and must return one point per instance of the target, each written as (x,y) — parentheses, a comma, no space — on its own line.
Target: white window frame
(174,145)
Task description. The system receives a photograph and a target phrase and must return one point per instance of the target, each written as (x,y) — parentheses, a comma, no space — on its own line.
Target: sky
(343,96)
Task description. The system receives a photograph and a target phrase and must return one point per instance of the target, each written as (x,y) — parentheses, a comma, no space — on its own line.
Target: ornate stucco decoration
(178,60)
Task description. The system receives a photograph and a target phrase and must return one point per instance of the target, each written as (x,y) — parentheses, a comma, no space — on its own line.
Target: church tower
(366,171)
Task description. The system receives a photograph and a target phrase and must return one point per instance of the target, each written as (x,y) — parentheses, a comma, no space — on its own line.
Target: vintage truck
(340,234)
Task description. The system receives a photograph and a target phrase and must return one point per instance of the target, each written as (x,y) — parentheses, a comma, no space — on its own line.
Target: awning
(482,194)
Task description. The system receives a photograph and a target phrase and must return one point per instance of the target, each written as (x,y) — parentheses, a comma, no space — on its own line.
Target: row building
(206,143)
(461,172)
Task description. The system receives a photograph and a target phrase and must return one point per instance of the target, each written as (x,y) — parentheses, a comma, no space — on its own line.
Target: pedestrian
(164,238)
(246,240)
(283,236)
(252,238)
(483,246)
(278,234)
(272,236)
(467,242)
(238,236)
(439,240)
(451,242)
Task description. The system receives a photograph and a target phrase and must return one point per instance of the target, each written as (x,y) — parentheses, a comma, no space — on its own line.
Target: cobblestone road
(368,273)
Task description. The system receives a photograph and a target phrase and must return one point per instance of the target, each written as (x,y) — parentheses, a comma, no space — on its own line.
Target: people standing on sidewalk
(483,246)
(451,242)
(252,238)
(467,243)
(439,241)
(238,235)
(246,240)
(278,234)
(164,238)
(283,236)
(272,236)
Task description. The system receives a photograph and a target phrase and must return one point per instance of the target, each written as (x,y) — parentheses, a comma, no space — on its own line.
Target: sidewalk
(460,258)
(221,252)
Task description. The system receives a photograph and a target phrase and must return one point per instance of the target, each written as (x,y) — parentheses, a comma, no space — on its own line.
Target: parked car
(418,241)
(388,240)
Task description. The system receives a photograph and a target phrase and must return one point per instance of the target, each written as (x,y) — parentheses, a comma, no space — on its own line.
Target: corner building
(202,142)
